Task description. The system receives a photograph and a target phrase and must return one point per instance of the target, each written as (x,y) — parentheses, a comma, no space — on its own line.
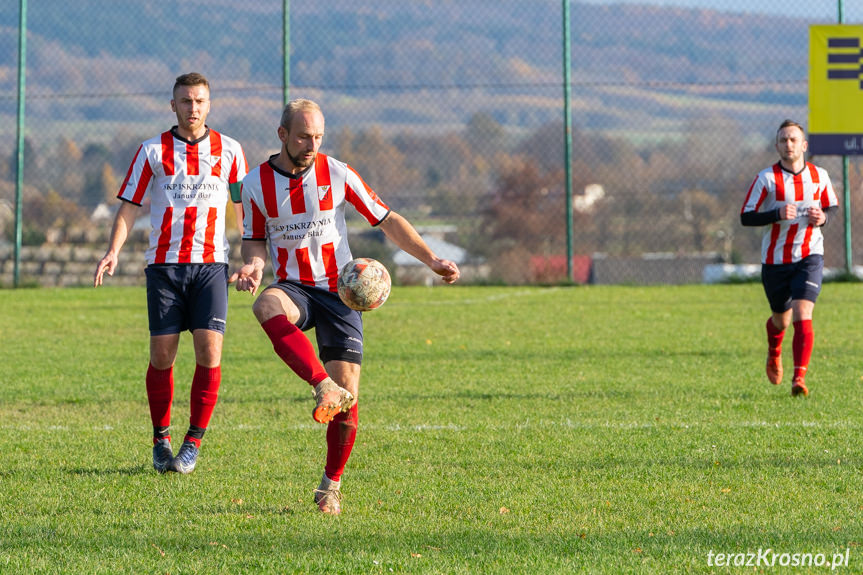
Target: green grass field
(502,430)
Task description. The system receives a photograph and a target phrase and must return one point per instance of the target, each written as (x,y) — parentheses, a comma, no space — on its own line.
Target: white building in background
(410,271)
(592,194)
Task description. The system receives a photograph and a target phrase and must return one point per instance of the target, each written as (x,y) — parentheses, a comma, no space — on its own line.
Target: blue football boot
(186,458)
(163,456)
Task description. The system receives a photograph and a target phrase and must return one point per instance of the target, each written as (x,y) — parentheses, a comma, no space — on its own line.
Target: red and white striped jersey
(789,241)
(189,185)
(303,217)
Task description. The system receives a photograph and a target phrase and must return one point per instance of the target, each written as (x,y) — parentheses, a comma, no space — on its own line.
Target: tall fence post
(19,179)
(286,51)
(846,190)
(567,130)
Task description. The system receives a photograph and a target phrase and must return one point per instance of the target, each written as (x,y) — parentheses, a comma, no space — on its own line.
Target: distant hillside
(412,58)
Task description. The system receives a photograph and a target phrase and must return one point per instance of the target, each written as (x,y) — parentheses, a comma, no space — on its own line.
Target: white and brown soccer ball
(364,284)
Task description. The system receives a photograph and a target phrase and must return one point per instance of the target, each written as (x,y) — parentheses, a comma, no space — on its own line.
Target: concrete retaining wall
(73,263)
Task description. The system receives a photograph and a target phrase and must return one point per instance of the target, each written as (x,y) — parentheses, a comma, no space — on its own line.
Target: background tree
(99,181)
(516,218)
(67,175)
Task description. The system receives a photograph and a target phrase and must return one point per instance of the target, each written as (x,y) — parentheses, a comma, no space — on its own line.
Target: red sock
(803,341)
(341,433)
(205,393)
(160,394)
(295,349)
(774,338)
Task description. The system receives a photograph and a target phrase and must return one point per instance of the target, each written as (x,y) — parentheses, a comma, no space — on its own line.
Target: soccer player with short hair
(296,202)
(191,173)
(792,199)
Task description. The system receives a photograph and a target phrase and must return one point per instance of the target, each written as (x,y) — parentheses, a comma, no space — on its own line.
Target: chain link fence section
(451,111)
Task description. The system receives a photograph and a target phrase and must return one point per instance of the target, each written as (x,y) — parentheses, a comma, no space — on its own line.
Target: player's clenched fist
(788,212)
(816,216)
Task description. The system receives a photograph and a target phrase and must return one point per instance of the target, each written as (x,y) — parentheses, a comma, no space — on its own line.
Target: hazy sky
(821,10)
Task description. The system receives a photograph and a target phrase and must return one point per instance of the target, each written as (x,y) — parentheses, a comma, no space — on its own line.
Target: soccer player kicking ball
(296,202)
(190,173)
(792,200)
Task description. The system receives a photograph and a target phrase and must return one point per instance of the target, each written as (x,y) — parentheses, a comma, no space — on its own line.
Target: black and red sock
(202,401)
(160,395)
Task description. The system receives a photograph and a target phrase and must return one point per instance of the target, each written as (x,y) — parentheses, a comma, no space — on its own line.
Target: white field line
(515,426)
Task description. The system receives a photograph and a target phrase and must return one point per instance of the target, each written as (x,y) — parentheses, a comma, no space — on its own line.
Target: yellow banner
(836,89)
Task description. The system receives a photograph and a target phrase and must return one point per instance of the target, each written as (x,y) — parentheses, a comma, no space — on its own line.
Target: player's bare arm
(248,278)
(236,193)
(238,211)
(404,235)
(123,222)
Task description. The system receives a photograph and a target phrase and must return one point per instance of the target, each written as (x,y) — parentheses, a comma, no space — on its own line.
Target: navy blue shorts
(187,297)
(786,282)
(338,328)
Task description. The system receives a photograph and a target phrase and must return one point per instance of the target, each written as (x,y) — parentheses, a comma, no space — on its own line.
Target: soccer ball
(364,284)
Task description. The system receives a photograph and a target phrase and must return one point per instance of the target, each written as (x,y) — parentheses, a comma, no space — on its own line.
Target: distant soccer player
(191,172)
(296,202)
(793,200)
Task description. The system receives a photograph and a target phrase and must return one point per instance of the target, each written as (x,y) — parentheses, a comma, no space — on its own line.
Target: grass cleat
(329,500)
(186,458)
(798,387)
(774,369)
(163,455)
(330,400)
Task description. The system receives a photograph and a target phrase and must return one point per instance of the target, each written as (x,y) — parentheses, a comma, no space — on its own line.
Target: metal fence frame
(566,114)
